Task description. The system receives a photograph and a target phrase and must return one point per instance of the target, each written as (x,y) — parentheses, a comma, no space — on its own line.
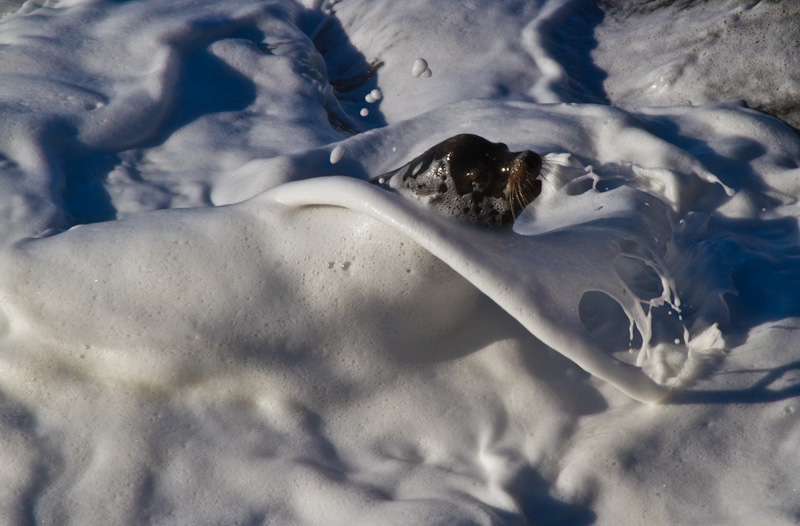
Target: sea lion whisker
(526,191)
(525,194)
(519,200)
(549,168)
(525,197)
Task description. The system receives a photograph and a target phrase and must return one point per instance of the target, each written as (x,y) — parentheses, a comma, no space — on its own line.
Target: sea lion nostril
(532,159)
(486,183)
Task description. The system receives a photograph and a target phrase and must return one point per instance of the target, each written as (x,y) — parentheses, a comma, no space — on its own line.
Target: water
(207,316)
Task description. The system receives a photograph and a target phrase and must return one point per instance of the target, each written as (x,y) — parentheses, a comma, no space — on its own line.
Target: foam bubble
(336,154)
(419,67)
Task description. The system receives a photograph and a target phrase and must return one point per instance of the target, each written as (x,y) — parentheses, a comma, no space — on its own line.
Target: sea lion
(470,177)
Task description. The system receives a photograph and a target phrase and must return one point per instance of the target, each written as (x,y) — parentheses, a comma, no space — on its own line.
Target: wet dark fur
(472,178)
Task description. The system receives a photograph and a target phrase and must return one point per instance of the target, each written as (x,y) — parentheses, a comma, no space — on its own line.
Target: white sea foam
(202,321)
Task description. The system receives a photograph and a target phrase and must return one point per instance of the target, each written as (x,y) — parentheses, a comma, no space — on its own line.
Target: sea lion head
(472,178)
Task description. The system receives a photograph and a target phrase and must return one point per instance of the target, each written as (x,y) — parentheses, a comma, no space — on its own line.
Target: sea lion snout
(523,176)
(530,162)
